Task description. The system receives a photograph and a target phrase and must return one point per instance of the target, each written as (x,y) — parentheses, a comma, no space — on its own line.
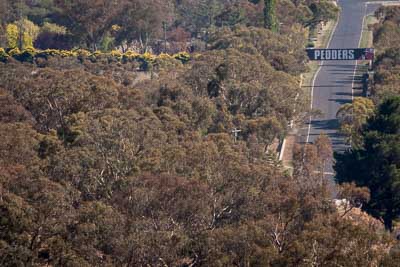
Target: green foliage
(107,43)
(53,28)
(353,116)
(376,164)
(270,19)
(311,45)
(322,11)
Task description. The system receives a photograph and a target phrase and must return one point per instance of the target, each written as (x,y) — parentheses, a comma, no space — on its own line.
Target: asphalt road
(335,84)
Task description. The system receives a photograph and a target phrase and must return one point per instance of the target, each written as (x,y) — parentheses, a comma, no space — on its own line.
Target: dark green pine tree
(270,20)
(376,165)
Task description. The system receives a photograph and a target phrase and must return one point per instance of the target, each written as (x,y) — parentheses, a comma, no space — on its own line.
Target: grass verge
(367,34)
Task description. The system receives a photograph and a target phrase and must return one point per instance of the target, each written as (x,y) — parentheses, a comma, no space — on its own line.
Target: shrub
(82,54)
(114,55)
(14,51)
(95,55)
(46,53)
(129,56)
(146,61)
(55,52)
(27,55)
(53,28)
(68,53)
(165,61)
(164,56)
(184,57)
(3,55)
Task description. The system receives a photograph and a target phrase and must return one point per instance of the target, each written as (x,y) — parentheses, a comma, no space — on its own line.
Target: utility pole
(165,36)
(235,132)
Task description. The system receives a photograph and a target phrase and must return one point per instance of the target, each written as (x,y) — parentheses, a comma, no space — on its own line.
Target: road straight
(335,84)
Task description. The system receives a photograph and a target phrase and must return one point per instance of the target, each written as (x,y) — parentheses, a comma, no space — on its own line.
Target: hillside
(139,133)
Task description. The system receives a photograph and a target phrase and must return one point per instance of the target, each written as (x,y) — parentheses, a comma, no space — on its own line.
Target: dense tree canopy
(387,64)
(376,164)
(120,159)
(144,25)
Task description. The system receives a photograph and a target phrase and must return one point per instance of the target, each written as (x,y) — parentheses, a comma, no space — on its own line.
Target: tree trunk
(388,220)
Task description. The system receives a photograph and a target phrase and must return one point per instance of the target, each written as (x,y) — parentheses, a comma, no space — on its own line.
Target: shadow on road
(344,93)
(341,66)
(341,101)
(325,124)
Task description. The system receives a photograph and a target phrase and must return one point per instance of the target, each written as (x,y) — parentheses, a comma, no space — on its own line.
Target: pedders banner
(341,54)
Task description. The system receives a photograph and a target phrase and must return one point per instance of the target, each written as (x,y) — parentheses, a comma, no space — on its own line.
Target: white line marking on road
(315,77)
(382,2)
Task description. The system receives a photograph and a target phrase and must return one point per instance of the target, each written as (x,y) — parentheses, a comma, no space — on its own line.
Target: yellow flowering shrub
(148,57)
(182,56)
(82,52)
(146,60)
(131,54)
(115,54)
(96,54)
(14,51)
(166,61)
(46,53)
(67,53)
(164,56)
(196,56)
(27,55)
(116,28)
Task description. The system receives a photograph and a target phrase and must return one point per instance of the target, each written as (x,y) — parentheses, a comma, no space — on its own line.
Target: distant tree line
(163,26)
